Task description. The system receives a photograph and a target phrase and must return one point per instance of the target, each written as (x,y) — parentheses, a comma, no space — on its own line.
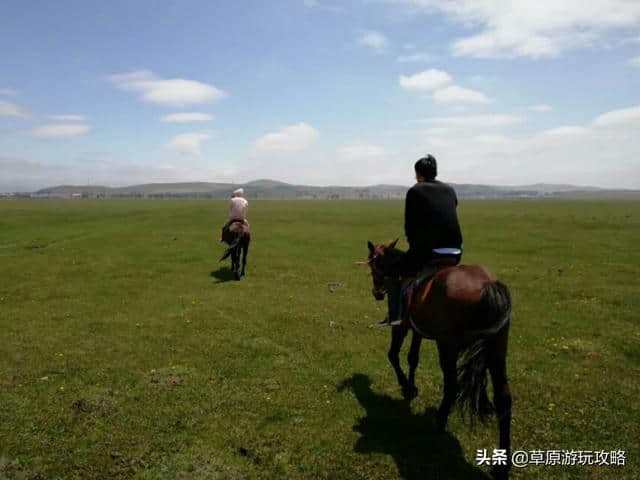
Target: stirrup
(384,322)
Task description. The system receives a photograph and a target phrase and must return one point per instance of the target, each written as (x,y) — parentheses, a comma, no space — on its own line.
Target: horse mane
(391,254)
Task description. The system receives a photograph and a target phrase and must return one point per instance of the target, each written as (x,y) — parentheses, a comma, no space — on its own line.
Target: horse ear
(393,244)
(371,247)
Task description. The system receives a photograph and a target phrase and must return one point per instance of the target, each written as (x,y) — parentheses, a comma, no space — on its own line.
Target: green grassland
(126,352)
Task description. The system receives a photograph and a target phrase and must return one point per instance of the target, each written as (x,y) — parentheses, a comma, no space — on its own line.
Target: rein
(378,278)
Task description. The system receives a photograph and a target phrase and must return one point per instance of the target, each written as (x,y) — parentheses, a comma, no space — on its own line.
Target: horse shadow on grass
(223,274)
(390,427)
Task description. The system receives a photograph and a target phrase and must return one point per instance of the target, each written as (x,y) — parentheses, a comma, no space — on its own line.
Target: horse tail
(495,311)
(232,246)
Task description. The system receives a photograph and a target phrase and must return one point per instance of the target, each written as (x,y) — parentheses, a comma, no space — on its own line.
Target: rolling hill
(272,189)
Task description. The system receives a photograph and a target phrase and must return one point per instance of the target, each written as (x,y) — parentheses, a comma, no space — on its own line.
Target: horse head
(378,263)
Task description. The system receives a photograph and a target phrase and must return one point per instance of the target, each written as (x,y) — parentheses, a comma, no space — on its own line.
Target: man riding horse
(236,233)
(465,309)
(432,230)
(238,207)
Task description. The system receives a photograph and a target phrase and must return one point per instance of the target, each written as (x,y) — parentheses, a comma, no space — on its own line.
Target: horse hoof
(237,276)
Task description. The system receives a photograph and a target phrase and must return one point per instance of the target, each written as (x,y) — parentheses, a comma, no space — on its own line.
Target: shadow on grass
(390,427)
(223,274)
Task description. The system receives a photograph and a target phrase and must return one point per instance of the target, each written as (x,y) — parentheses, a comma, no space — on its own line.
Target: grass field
(126,351)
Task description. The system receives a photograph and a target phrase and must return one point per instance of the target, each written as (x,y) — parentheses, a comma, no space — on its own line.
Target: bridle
(379,289)
(376,252)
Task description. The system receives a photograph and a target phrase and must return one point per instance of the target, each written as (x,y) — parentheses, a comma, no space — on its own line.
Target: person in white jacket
(238,208)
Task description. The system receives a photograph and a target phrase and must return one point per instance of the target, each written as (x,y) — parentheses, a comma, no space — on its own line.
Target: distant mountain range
(271,189)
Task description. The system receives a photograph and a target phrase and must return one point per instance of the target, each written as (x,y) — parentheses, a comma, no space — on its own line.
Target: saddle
(233,230)
(412,284)
(238,226)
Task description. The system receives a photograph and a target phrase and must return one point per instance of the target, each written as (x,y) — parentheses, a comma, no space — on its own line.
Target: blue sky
(319,92)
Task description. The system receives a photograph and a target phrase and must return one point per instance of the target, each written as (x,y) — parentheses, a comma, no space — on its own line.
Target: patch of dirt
(82,405)
(15,470)
(253,456)
(169,377)
(94,404)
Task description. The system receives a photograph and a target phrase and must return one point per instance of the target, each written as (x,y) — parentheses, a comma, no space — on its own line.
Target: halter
(377,273)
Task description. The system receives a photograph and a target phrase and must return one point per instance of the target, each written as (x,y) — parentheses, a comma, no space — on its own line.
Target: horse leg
(502,399)
(398,334)
(448,354)
(235,262)
(245,250)
(414,358)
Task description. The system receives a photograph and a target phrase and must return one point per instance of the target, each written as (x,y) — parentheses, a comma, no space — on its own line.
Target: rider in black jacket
(432,230)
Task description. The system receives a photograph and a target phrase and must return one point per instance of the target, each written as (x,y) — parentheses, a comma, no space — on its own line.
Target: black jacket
(430,219)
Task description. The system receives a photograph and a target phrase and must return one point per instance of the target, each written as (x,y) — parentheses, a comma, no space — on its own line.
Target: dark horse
(238,236)
(467,312)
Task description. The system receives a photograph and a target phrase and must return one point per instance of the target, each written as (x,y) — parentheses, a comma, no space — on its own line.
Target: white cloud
(171,92)
(542,28)
(374,40)
(604,152)
(8,92)
(567,130)
(361,151)
(579,157)
(456,94)
(619,117)
(416,58)
(60,130)
(288,139)
(187,117)
(541,108)
(8,109)
(476,121)
(68,118)
(189,143)
(441,84)
(634,62)
(601,152)
(427,80)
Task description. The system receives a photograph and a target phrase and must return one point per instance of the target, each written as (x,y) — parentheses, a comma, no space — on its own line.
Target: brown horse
(467,312)
(238,236)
